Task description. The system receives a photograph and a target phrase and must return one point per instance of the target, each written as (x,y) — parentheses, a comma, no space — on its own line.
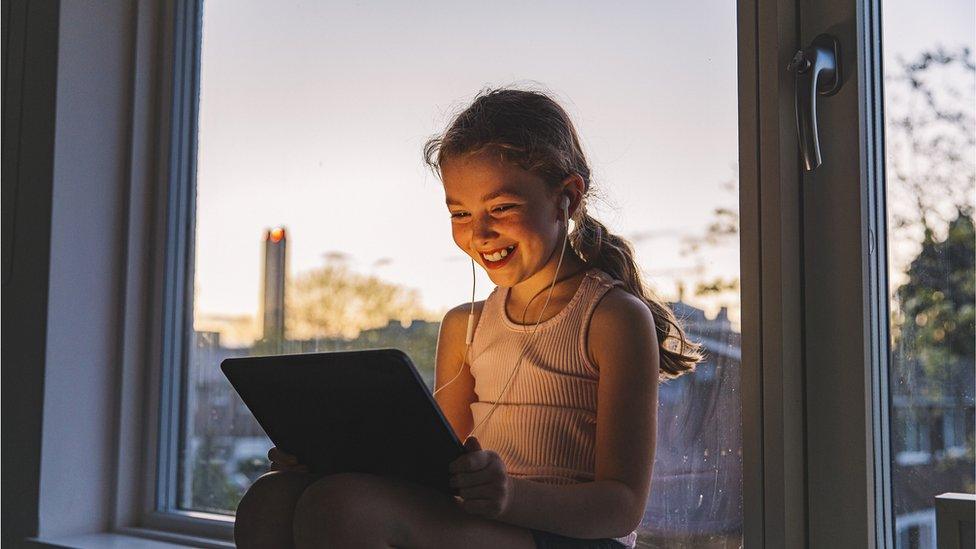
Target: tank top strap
(488,312)
(600,283)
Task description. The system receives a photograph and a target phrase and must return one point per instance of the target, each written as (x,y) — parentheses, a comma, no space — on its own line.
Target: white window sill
(133,538)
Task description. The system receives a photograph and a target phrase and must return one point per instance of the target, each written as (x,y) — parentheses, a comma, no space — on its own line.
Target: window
(910,429)
(316,226)
(916,530)
(955,430)
(929,124)
(888,264)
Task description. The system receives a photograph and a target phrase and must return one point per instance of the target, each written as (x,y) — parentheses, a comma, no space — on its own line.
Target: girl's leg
(265,513)
(363,510)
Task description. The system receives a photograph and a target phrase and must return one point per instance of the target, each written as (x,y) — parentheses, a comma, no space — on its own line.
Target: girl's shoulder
(460,313)
(454,328)
(618,301)
(619,315)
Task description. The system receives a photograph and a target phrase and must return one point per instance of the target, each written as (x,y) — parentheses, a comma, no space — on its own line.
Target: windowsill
(132,538)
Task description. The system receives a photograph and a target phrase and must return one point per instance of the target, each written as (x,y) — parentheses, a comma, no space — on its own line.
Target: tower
(273,287)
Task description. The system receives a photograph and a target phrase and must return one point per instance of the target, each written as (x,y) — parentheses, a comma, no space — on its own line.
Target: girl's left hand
(482,480)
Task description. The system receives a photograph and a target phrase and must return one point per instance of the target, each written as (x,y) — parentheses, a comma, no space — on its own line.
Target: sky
(313,117)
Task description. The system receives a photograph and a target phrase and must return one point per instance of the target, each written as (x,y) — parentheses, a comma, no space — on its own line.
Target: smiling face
(496,206)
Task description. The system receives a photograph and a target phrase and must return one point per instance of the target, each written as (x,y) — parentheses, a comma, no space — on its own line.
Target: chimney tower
(273,287)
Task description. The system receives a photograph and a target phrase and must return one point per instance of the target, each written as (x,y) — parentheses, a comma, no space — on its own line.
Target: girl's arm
(624,345)
(455,401)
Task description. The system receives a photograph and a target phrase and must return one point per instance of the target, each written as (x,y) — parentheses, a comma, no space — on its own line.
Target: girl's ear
(573,187)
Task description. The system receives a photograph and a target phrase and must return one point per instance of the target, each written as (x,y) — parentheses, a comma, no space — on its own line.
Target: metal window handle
(817,70)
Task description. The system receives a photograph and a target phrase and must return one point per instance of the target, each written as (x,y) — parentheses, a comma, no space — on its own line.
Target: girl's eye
(502,208)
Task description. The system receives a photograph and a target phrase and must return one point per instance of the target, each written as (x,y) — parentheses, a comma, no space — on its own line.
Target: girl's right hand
(282,461)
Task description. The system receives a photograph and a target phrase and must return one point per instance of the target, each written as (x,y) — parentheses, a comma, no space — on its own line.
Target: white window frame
(846,431)
(172,53)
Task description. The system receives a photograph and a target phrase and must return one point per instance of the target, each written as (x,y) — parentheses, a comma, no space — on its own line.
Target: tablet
(363,411)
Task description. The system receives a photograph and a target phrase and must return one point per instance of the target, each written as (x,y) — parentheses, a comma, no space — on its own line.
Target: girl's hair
(530,130)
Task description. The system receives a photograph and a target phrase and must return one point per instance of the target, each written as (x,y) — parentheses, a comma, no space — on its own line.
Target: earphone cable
(529,339)
(467,339)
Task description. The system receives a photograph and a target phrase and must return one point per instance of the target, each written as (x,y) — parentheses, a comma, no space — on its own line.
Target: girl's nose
(482,229)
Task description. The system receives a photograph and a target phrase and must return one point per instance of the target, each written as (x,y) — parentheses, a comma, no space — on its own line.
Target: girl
(558,413)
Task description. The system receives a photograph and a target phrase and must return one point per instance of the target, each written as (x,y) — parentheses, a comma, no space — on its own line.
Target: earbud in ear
(564,204)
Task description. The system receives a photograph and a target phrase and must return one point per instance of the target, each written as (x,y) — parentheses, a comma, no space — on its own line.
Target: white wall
(94,81)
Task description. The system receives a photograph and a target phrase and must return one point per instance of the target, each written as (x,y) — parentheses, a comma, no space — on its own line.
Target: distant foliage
(930,145)
(211,490)
(935,338)
(333,301)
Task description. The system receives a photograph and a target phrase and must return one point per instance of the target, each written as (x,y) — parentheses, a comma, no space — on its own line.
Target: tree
(933,363)
(722,232)
(211,489)
(929,144)
(934,345)
(931,177)
(332,302)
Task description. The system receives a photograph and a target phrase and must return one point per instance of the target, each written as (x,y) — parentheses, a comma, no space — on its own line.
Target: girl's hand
(482,480)
(282,461)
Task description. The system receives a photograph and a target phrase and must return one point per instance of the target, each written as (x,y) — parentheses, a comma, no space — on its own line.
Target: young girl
(555,398)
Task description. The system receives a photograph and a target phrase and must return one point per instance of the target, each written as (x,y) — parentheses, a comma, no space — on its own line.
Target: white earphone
(469,337)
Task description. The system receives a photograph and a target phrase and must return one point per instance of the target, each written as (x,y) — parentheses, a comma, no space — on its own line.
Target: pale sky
(313,116)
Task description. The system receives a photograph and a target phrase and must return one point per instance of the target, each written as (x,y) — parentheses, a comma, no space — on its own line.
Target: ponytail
(600,248)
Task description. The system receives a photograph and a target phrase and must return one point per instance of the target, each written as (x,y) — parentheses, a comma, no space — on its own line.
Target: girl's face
(496,206)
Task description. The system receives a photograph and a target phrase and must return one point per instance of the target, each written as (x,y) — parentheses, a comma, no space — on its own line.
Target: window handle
(817,69)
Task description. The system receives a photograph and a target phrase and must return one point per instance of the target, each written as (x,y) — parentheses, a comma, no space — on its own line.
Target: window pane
(929,98)
(319,228)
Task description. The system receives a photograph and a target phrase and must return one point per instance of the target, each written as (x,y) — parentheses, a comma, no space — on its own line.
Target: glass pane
(929,99)
(319,228)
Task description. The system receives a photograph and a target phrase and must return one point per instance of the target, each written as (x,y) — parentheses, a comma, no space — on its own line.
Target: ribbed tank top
(544,427)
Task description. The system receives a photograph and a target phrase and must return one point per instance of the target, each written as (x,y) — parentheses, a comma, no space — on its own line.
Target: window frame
(773,407)
(775,214)
(845,286)
(165,103)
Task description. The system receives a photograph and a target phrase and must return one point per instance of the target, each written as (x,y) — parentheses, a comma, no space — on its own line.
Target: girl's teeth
(498,256)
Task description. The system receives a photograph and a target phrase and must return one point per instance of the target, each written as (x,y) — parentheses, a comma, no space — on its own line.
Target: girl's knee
(320,500)
(265,513)
(343,506)
(274,489)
